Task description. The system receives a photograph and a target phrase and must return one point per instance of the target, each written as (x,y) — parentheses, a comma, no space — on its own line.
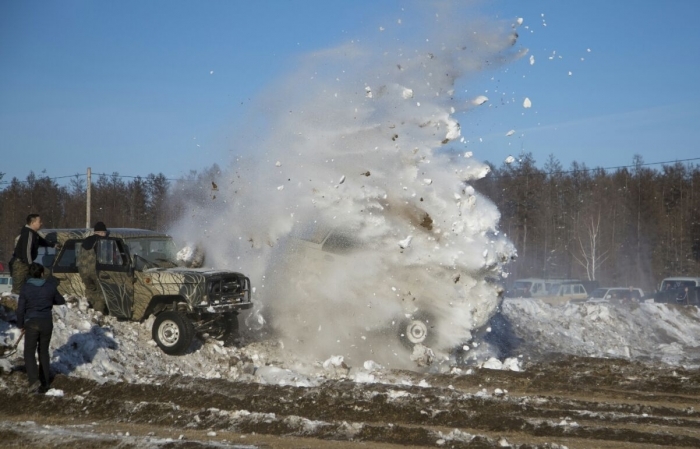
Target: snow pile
(333,262)
(640,331)
(89,345)
(86,344)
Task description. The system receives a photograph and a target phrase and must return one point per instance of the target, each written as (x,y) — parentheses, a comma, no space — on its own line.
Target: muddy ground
(572,402)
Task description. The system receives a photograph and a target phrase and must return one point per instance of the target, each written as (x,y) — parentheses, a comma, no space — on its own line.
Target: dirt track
(573,402)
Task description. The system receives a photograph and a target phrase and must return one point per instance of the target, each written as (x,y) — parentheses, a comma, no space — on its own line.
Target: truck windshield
(158,251)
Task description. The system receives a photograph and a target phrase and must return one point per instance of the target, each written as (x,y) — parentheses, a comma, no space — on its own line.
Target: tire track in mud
(573,402)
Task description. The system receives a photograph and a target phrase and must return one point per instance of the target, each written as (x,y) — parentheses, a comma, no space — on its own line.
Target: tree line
(631,226)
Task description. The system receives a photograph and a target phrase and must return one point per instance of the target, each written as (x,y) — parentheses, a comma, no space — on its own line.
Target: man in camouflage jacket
(87,267)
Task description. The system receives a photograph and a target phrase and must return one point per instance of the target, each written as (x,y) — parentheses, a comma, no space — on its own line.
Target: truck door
(115,276)
(65,269)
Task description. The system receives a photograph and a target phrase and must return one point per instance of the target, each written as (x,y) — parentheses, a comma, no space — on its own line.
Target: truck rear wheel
(417,329)
(173,332)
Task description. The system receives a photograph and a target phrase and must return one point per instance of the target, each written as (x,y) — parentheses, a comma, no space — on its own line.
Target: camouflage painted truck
(140,276)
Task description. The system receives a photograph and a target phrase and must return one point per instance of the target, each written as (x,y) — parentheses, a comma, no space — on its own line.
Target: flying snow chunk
(527,103)
(510,133)
(468,154)
(570,73)
(280,187)
(428,181)
(342,179)
(509,160)
(407,93)
(453,130)
(278,164)
(405,242)
(532,59)
(520,21)
(481,99)
(211,72)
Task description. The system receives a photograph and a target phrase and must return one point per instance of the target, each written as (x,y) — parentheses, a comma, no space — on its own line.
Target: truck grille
(229,289)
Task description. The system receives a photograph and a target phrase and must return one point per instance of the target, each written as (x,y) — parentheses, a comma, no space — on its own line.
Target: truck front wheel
(173,332)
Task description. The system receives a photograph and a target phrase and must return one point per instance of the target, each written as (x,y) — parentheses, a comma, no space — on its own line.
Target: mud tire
(419,328)
(173,332)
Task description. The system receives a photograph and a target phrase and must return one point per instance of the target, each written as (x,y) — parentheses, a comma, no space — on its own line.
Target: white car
(5,283)
(616,293)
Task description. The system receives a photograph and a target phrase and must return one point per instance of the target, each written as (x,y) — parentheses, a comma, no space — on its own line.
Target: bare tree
(590,258)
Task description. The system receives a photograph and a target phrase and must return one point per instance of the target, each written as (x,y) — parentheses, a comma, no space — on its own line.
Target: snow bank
(640,331)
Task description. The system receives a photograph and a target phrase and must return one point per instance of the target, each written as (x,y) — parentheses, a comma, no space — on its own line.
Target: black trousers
(37,335)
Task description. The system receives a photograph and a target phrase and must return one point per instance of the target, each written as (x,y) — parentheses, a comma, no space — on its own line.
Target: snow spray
(349,202)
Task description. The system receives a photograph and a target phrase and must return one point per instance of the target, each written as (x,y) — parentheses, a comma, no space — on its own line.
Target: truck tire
(173,332)
(417,329)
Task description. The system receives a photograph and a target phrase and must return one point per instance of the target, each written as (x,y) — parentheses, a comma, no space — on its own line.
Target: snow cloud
(327,179)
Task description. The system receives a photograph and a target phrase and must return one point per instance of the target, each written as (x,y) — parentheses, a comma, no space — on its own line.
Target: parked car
(528,288)
(565,292)
(616,293)
(5,283)
(139,277)
(679,290)
(535,287)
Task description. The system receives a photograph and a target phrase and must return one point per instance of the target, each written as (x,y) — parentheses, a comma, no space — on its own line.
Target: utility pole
(89,187)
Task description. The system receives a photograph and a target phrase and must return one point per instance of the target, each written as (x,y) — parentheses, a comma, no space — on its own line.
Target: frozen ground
(603,375)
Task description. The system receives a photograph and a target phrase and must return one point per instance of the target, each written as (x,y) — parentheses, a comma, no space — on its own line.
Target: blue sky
(128,86)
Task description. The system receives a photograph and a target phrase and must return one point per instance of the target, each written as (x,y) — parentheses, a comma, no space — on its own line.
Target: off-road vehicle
(139,276)
(316,250)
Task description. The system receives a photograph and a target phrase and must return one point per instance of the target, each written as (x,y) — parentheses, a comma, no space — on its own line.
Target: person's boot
(34,387)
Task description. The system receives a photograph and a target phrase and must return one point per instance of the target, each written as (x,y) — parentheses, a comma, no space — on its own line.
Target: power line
(618,167)
(83,175)
(561,172)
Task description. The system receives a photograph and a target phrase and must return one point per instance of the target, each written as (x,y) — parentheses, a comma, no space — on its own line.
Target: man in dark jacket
(36,301)
(87,267)
(26,249)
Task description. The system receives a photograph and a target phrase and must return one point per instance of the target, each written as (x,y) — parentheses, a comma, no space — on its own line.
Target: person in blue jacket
(34,317)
